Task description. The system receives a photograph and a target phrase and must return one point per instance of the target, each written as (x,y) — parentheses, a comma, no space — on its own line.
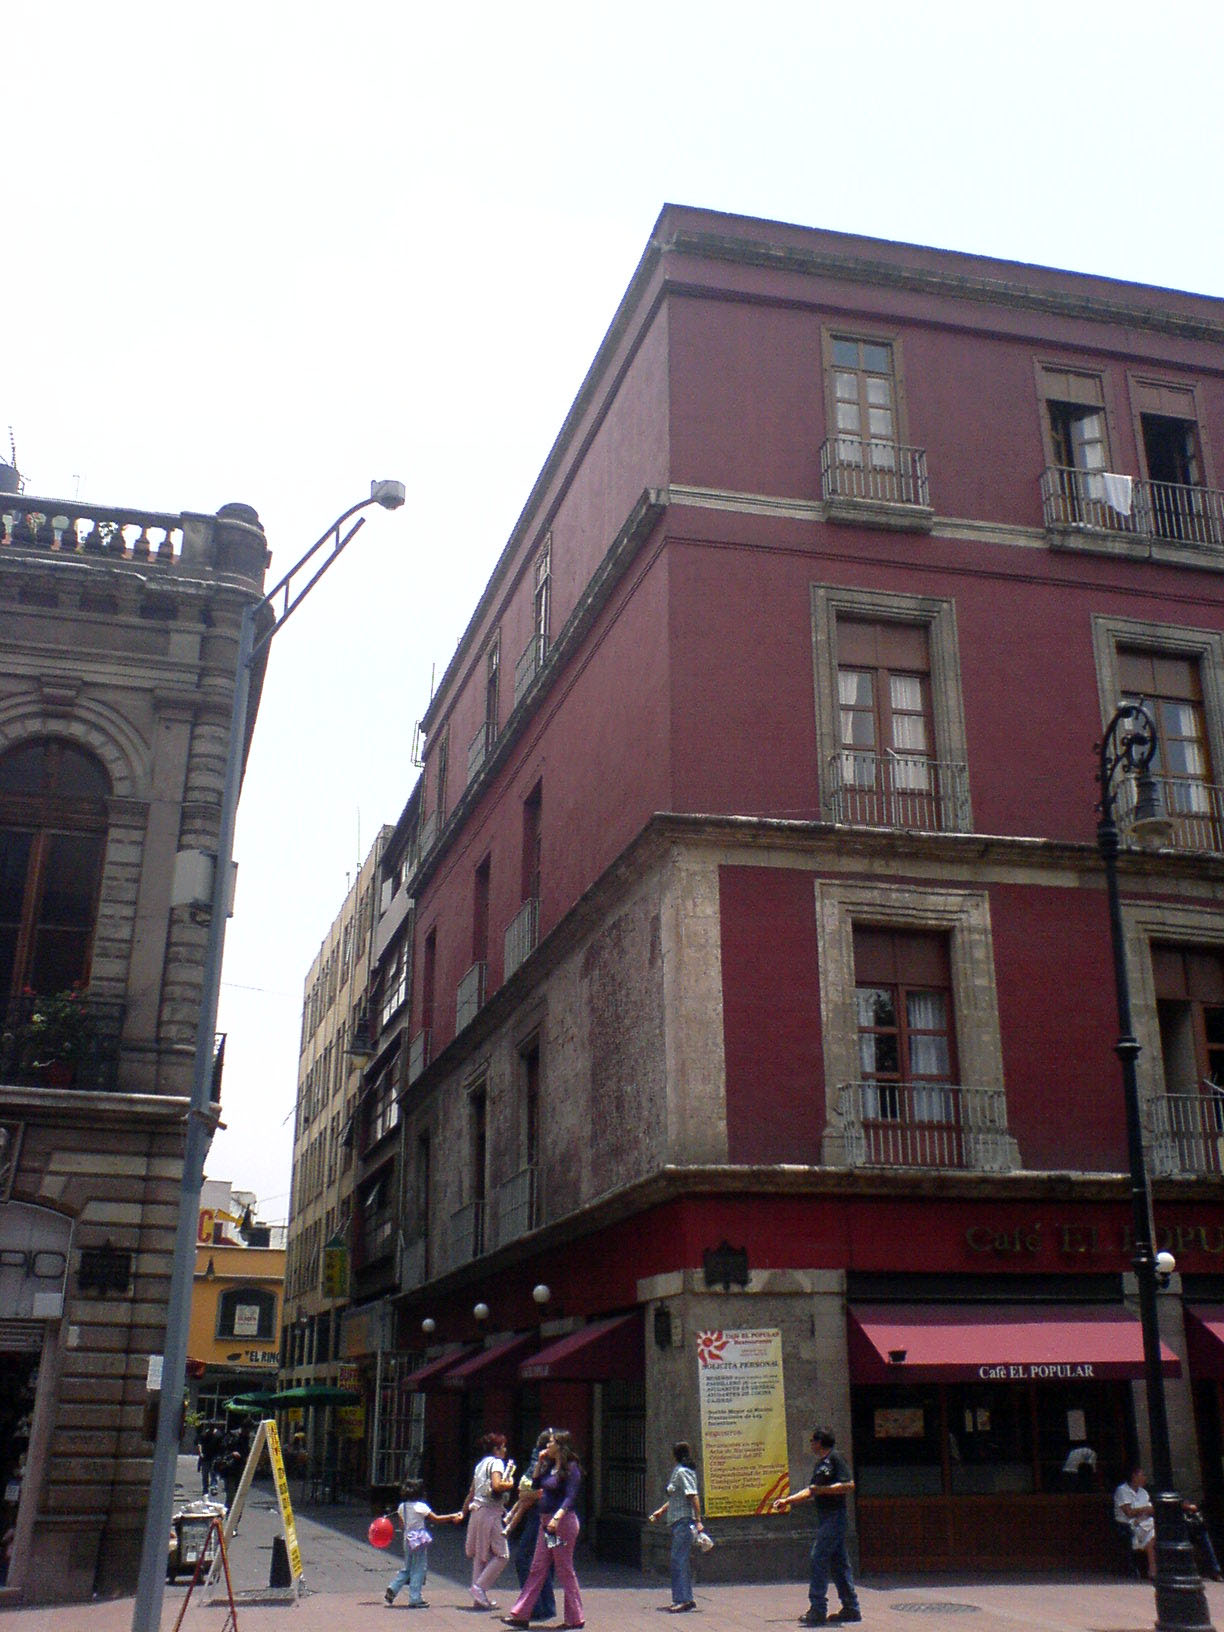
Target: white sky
(267,252)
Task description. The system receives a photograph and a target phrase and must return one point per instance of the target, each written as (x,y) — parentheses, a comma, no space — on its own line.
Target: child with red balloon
(412,1514)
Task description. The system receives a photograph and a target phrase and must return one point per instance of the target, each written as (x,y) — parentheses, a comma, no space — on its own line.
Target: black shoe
(813,1618)
(846,1617)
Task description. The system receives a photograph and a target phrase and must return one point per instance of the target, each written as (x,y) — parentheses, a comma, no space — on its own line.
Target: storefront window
(981,1439)
(990,1439)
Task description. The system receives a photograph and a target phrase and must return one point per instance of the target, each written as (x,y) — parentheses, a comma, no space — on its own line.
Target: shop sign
(1039,1371)
(34,1247)
(1079,1241)
(335,1269)
(350,1421)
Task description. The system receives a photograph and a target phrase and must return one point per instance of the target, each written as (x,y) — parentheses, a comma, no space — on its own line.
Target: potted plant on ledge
(57,1035)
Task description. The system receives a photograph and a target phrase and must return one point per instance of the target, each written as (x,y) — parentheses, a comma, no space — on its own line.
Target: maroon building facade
(757,903)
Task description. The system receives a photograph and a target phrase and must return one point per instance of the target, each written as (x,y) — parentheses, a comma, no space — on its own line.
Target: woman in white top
(683,1510)
(482,1507)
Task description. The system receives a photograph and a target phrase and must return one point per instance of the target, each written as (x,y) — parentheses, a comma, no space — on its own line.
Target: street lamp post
(1127,749)
(260,621)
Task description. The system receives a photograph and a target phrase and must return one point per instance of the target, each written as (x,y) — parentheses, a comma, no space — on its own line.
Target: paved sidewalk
(345,1577)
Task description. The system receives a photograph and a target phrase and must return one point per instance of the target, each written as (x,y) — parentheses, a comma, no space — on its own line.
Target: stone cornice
(1004,290)
(817,1184)
(72,1108)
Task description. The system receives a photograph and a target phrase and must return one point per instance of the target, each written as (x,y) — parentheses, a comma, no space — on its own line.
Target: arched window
(52,840)
(247,1311)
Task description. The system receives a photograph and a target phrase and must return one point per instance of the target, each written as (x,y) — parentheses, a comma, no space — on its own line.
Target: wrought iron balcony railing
(521,935)
(514,1206)
(413,1262)
(419,1054)
(918,1124)
(857,468)
(529,664)
(79,1050)
(1080,500)
(899,790)
(1187,1134)
(478,750)
(1195,809)
(469,996)
(465,1235)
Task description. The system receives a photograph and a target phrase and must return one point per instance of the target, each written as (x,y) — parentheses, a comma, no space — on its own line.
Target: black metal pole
(1181,1602)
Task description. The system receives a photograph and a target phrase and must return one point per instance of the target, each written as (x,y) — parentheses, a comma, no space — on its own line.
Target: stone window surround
(964,915)
(1142,923)
(938,615)
(1206,646)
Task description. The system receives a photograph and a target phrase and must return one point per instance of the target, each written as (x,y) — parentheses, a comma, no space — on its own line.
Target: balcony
(427,833)
(1196,810)
(478,750)
(1077,503)
(515,1209)
(529,665)
(90,530)
(465,1235)
(521,935)
(1188,1135)
(79,1051)
(469,996)
(926,1125)
(375,1239)
(419,1054)
(906,791)
(881,484)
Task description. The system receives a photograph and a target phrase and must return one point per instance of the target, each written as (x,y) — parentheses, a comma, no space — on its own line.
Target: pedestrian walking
(831,1483)
(232,1461)
(683,1510)
(413,1513)
(558,1478)
(483,1507)
(209,1445)
(525,1516)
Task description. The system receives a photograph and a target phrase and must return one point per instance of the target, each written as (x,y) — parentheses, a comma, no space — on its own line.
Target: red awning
(489,1367)
(606,1351)
(1205,1340)
(943,1343)
(429,1375)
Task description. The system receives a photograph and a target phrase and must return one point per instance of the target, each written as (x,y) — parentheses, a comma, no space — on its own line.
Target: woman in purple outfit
(558,1477)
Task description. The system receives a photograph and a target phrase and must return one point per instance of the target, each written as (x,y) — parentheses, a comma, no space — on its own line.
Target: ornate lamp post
(261,620)
(1127,749)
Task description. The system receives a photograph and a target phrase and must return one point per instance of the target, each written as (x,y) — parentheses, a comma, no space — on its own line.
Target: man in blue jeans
(832,1481)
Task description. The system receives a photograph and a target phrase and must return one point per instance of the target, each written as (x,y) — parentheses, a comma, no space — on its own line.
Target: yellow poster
(282,1495)
(743,1421)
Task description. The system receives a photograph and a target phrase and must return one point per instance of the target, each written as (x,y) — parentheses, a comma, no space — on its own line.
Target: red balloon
(381,1533)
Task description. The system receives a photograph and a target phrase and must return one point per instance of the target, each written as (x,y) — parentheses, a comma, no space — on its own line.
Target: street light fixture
(260,621)
(1127,749)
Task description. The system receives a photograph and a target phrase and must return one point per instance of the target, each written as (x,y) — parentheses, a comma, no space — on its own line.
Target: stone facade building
(319,1273)
(761,972)
(118,643)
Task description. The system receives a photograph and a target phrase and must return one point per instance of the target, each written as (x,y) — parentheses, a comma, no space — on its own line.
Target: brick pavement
(345,1578)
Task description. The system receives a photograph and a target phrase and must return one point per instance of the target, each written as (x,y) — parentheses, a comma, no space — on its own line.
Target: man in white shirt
(1133,1508)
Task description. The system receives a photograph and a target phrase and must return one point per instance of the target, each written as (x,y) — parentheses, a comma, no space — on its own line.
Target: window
(889,719)
(542,597)
(1171,689)
(532,813)
(53,820)
(1172,455)
(903,1008)
(1076,435)
(1179,675)
(480,913)
(863,407)
(440,775)
(246,1311)
(1189,989)
(913,1059)
(492,681)
(886,730)
(396,979)
(429,965)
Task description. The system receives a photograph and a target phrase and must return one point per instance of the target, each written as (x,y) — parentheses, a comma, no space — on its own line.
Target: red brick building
(757,900)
